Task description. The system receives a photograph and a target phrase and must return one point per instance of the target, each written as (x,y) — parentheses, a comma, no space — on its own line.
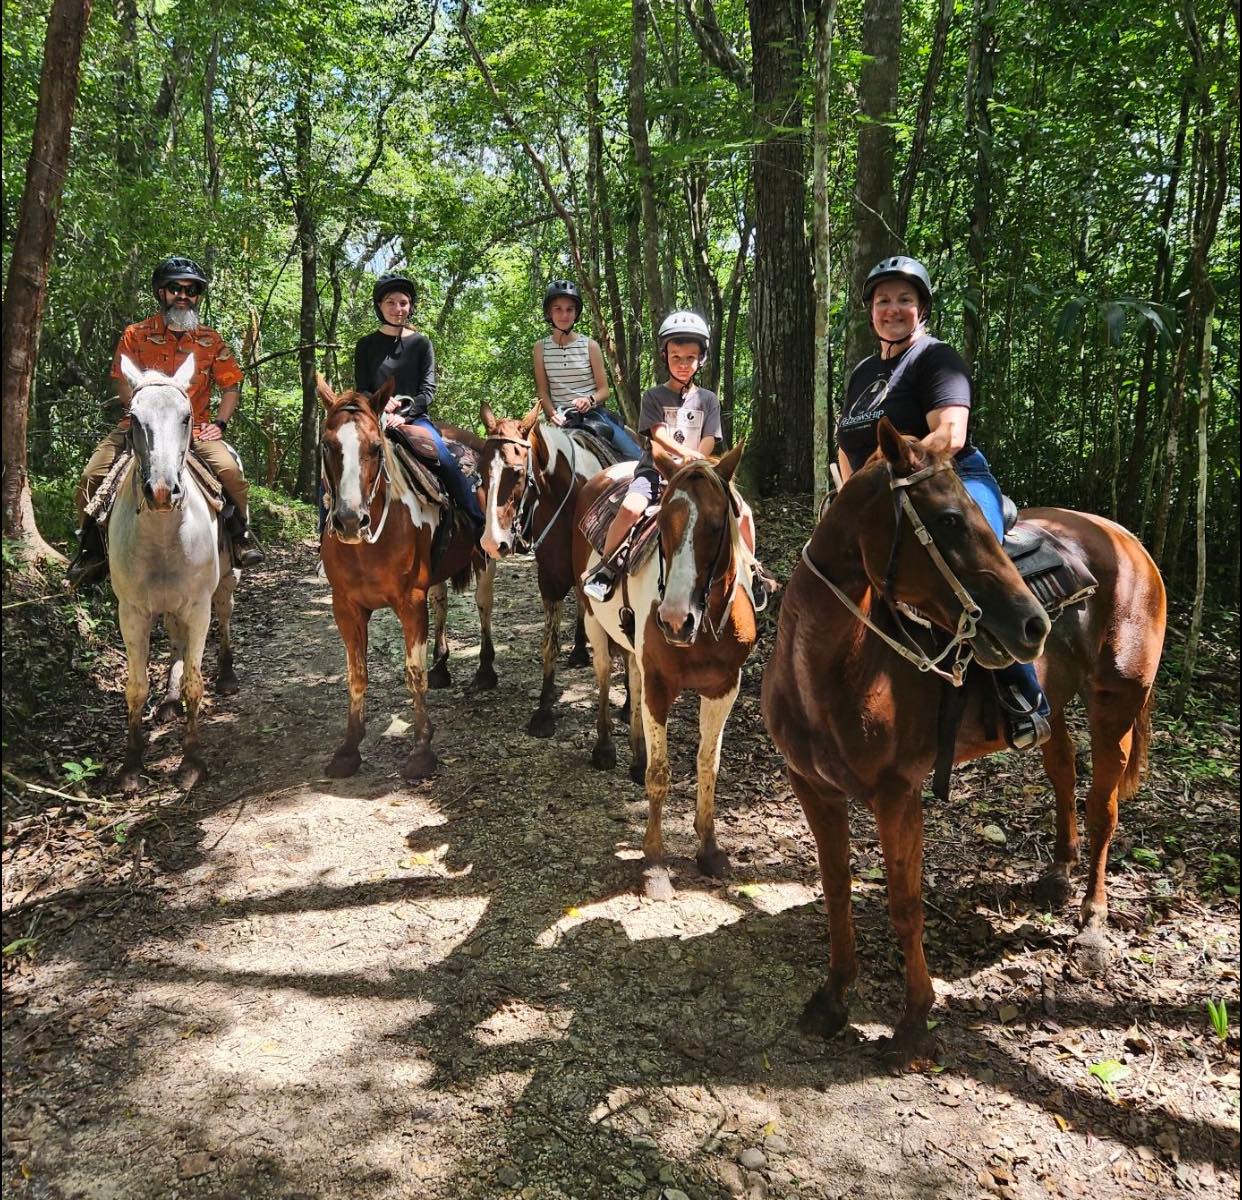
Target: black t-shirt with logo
(935,377)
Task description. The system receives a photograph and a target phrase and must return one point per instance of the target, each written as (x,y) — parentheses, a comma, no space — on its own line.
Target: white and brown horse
(693,628)
(376,551)
(532,475)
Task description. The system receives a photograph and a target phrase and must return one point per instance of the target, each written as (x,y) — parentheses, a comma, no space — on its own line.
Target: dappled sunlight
(773,898)
(689,914)
(517,1021)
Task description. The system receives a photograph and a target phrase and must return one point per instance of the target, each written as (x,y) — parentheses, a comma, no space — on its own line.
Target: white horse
(166,559)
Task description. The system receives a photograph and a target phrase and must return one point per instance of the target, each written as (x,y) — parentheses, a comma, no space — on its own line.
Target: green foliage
(79,772)
(1218,1015)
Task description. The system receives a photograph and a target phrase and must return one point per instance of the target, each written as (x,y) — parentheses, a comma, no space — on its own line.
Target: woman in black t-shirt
(922,386)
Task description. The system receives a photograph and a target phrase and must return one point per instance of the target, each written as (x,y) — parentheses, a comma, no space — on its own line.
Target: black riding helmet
(391,283)
(900,267)
(177,266)
(562,287)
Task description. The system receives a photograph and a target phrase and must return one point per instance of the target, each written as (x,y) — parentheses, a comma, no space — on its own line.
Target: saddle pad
(213,489)
(422,479)
(642,540)
(1053,572)
(99,507)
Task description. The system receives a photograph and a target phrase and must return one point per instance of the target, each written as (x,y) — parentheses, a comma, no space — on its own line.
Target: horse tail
(1136,764)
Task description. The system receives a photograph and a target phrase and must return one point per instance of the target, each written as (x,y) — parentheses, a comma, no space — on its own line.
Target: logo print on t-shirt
(862,410)
(686,425)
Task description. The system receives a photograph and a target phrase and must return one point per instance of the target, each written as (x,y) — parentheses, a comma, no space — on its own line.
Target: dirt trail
(363,989)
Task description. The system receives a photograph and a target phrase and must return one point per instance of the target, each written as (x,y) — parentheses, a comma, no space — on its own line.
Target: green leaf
(1146,858)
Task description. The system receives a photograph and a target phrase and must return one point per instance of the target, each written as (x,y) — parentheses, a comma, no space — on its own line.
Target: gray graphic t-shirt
(689,419)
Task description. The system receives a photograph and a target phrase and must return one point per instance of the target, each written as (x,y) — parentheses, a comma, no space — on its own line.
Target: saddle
(641,542)
(420,460)
(1052,571)
(587,429)
(99,507)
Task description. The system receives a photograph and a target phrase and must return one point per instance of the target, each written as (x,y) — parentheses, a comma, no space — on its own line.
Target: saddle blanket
(596,520)
(100,505)
(1053,572)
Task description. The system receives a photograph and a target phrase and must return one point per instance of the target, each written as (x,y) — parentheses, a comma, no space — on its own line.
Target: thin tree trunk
(707,287)
(979,127)
(737,280)
(308,253)
(821,435)
(875,234)
(908,177)
(25,294)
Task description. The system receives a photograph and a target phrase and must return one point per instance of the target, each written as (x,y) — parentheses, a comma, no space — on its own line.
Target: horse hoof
(1089,952)
(421,764)
(190,773)
(604,756)
(438,677)
(908,1048)
(227,685)
(1052,889)
(484,679)
(343,765)
(130,782)
(542,724)
(823,1016)
(638,769)
(579,656)
(657,885)
(169,710)
(713,863)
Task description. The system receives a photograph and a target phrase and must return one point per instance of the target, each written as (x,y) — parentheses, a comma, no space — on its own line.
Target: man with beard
(161,343)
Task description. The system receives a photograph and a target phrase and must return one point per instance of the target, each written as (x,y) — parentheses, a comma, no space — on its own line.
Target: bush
(53,507)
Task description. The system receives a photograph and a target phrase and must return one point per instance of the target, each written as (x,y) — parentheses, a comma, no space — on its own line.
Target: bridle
(524,517)
(129,437)
(329,496)
(967,622)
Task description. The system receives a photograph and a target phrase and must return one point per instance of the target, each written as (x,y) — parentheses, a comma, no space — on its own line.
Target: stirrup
(600,583)
(1027,732)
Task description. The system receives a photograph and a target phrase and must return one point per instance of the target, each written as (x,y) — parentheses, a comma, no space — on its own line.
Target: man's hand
(210,432)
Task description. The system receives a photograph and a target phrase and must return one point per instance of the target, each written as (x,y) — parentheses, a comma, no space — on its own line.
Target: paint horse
(167,559)
(376,551)
(533,475)
(692,629)
(853,717)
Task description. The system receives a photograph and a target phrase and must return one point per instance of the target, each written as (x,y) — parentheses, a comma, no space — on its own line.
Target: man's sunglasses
(184,289)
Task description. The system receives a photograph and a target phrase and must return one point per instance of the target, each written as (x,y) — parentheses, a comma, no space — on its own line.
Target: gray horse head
(162,425)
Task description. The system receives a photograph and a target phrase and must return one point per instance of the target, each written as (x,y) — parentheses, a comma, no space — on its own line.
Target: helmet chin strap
(567,329)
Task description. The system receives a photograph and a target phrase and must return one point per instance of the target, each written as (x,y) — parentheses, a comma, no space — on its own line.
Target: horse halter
(129,438)
(968,620)
(329,496)
(524,517)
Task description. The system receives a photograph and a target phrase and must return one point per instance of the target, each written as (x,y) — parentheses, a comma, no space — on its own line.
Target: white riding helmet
(685,326)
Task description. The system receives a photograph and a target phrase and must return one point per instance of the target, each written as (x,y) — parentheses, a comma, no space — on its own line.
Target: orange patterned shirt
(152,346)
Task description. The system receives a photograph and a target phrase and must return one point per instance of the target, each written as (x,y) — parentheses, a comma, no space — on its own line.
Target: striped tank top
(568,369)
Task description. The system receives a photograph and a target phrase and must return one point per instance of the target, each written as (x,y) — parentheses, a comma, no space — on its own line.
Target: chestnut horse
(534,473)
(376,551)
(693,629)
(852,718)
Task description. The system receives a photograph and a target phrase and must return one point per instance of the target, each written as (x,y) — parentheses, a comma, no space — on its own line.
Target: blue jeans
(454,481)
(978,480)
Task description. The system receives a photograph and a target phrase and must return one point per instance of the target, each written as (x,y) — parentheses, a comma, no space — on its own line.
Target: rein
(967,622)
(525,510)
(381,475)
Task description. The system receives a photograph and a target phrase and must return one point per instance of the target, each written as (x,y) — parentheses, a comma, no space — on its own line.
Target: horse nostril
(364,522)
(1036,628)
(502,548)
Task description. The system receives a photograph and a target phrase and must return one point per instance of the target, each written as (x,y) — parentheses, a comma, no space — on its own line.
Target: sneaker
(600,583)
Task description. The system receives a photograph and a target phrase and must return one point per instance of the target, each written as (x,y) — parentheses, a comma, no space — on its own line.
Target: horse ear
(898,449)
(326,394)
(382,394)
(487,417)
(131,372)
(185,373)
(728,464)
(528,421)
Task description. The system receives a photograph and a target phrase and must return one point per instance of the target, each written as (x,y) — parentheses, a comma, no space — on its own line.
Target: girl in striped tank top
(569,370)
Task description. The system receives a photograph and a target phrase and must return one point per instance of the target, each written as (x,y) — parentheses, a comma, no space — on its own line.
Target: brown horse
(693,628)
(376,552)
(534,473)
(853,719)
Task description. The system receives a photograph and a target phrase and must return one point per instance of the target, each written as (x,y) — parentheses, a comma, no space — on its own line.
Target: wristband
(220,425)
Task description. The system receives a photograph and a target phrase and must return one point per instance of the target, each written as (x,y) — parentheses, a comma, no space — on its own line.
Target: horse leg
(352,622)
(1112,738)
(655,705)
(193,768)
(1053,888)
(422,761)
(136,630)
(638,744)
(169,708)
(827,813)
(222,605)
(543,723)
(437,599)
(580,655)
(712,717)
(899,819)
(604,755)
(484,590)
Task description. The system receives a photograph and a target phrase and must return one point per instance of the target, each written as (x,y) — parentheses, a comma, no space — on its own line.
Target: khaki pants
(215,454)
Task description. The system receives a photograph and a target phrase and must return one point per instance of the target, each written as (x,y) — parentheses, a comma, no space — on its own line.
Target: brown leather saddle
(643,537)
(581,427)
(421,460)
(1055,575)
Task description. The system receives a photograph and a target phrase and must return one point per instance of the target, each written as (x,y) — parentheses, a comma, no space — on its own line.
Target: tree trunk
(706,285)
(737,280)
(979,128)
(875,234)
(25,294)
(782,311)
(821,437)
(909,176)
(308,444)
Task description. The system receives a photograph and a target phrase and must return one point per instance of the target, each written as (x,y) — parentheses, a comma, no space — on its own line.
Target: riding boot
(246,551)
(1024,705)
(90,565)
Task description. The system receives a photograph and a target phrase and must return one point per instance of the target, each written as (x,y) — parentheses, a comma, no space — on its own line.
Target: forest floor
(281,985)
